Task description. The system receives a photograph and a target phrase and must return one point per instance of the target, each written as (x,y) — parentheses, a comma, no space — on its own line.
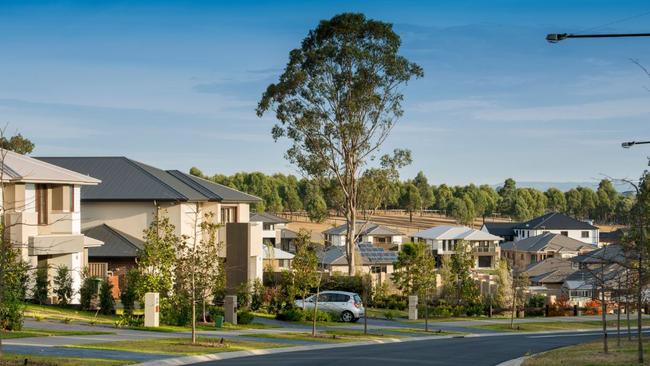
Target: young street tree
(338,99)
(304,266)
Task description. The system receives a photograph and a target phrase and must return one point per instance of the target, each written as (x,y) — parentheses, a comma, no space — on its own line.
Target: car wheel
(347,316)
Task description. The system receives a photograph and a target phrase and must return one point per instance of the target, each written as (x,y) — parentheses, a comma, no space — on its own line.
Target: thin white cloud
(450,105)
(612,109)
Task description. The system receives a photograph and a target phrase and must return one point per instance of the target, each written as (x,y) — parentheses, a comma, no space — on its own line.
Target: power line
(614,22)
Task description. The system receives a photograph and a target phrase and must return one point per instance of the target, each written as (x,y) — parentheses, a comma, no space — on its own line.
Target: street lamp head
(628,144)
(556,37)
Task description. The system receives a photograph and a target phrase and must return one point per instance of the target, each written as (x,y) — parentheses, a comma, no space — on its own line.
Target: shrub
(592,307)
(291,315)
(257,295)
(128,292)
(245,317)
(537,301)
(475,309)
(243,295)
(321,316)
(389,314)
(63,285)
(129,321)
(11,315)
(175,310)
(442,311)
(106,300)
(213,312)
(88,293)
(41,286)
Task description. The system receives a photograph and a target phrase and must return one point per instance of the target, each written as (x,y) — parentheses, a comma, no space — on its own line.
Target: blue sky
(175,84)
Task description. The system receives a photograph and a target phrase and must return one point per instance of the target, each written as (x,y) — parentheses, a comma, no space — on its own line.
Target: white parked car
(347,304)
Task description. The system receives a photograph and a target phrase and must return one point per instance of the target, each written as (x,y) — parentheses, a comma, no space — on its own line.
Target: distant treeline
(281,192)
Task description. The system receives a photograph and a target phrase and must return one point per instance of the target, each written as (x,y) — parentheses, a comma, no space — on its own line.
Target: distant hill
(563,186)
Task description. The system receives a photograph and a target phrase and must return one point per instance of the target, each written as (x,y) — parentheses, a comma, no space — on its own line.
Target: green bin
(218,321)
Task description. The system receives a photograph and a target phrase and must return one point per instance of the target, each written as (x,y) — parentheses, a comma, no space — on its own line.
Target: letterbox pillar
(151,309)
(230,309)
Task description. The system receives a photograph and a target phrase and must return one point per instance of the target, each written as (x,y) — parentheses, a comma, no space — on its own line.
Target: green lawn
(419,331)
(181,346)
(589,354)
(381,313)
(54,312)
(15,359)
(558,325)
(332,335)
(26,333)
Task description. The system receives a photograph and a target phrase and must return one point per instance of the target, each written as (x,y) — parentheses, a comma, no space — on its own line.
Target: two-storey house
(524,252)
(119,210)
(42,215)
(558,223)
(443,241)
(378,235)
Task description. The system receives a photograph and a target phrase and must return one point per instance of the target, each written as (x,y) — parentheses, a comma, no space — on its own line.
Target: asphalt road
(474,351)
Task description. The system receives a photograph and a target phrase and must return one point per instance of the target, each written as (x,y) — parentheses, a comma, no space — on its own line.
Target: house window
(585,234)
(267,226)
(72,208)
(228,214)
(378,269)
(565,233)
(41,203)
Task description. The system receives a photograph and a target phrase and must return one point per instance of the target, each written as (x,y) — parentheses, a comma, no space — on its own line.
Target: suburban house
(611,237)
(505,230)
(275,231)
(368,232)
(443,241)
(133,194)
(276,260)
(377,261)
(42,215)
(524,252)
(598,270)
(548,276)
(557,223)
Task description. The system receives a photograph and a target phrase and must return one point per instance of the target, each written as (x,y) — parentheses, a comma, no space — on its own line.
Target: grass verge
(589,354)
(419,331)
(180,346)
(15,359)
(62,313)
(27,333)
(332,335)
(556,325)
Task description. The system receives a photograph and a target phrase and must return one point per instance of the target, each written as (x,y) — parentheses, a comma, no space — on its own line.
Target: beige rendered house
(119,210)
(443,241)
(525,252)
(42,213)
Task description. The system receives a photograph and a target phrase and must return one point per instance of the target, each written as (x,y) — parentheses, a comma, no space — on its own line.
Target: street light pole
(557,37)
(629,144)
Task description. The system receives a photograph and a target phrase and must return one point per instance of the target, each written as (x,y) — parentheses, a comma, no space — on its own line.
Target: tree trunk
(639,306)
(603,307)
(349,238)
(627,304)
(313,322)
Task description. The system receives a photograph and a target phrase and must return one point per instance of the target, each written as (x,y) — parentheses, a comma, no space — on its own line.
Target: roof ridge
(192,184)
(546,219)
(223,185)
(121,235)
(137,165)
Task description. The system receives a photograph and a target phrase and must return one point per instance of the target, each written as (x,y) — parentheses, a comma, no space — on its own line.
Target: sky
(175,84)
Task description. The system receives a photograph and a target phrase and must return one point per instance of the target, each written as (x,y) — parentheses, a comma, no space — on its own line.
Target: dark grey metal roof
(124,179)
(548,241)
(268,218)
(557,221)
(501,228)
(116,243)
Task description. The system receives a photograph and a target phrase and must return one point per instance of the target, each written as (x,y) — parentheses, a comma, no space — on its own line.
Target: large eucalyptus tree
(337,101)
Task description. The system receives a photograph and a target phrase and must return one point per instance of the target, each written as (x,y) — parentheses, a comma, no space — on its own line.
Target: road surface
(472,351)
